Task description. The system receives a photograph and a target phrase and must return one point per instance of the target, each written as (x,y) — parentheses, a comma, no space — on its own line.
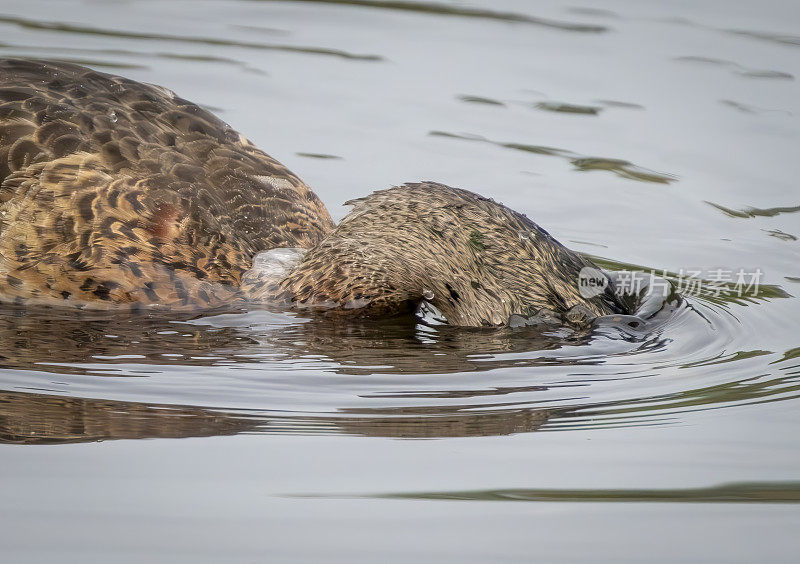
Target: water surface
(658,134)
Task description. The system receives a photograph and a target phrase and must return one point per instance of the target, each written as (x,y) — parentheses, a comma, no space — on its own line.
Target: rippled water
(663,135)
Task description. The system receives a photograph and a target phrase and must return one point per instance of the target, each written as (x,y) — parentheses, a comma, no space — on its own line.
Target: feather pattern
(114,191)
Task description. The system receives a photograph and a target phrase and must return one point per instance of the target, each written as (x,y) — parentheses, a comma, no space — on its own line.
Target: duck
(116,194)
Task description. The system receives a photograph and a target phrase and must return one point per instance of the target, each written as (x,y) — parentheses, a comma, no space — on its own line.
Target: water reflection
(620,167)
(169,38)
(318,156)
(749,212)
(480,100)
(751,109)
(748,492)
(778,234)
(66,342)
(38,51)
(463,12)
(736,68)
(42,419)
(566,108)
(780,38)
(619,104)
(99,63)
(387,378)
(35,418)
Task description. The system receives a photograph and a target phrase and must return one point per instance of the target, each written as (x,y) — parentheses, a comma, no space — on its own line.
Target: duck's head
(478,262)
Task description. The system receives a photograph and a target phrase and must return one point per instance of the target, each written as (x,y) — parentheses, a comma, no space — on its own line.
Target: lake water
(658,134)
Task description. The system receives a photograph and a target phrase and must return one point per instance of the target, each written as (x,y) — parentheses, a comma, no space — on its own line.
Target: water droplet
(428,295)
(112,115)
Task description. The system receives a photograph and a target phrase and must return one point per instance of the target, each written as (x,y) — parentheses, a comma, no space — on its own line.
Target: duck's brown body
(114,192)
(120,192)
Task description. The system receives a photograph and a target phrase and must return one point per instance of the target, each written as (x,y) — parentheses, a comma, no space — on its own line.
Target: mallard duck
(121,194)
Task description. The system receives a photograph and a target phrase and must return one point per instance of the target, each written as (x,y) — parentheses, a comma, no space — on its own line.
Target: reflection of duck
(117,192)
(69,342)
(43,419)
(72,343)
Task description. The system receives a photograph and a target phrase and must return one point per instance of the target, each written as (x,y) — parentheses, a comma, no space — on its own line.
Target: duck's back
(116,191)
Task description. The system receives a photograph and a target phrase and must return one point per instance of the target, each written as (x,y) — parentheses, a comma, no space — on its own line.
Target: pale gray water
(662,134)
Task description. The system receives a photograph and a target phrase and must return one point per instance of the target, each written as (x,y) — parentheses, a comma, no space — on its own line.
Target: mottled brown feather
(114,191)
